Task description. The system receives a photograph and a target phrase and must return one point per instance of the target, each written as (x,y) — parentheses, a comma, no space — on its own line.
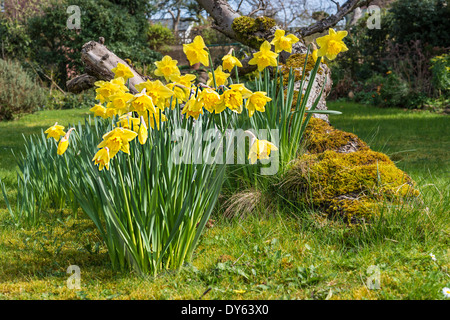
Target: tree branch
(332,20)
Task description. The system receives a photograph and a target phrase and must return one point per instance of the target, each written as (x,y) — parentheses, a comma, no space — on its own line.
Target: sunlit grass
(288,253)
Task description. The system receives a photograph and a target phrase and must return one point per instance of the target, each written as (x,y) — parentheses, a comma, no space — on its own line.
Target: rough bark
(80,83)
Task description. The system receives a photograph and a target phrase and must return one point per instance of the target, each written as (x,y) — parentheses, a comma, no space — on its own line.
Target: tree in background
(393,65)
(54,50)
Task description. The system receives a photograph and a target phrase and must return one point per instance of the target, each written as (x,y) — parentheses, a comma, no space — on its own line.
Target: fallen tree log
(98,61)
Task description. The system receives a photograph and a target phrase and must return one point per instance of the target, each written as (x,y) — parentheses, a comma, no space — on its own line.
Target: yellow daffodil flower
(264,57)
(110,110)
(64,143)
(122,71)
(156,91)
(142,131)
(181,86)
(120,102)
(221,77)
(193,108)
(102,159)
(167,68)
(128,122)
(99,111)
(242,89)
(117,140)
(331,45)
(195,52)
(209,98)
(257,101)
(55,131)
(229,62)
(141,102)
(282,42)
(260,149)
(106,89)
(233,98)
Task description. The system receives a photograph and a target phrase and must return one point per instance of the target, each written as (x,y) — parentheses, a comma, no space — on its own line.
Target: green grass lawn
(287,254)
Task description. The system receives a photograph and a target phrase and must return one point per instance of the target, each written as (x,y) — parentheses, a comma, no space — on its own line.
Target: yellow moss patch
(350,185)
(320,136)
(297,62)
(249,30)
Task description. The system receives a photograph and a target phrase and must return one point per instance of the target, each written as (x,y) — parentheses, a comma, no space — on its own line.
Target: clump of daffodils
(135,113)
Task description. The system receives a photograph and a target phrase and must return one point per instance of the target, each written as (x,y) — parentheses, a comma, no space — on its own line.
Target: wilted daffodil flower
(64,143)
(102,159)
(331,45)
(229,62)
(261,149)
(257,102)
(264,57)
(55,131)
(195,52)
(167,68)
(122,71)
(282,42)
(117,140)
(221,77)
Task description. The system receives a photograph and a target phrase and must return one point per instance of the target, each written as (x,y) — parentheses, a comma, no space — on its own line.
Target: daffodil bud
(64,143)
(143,132)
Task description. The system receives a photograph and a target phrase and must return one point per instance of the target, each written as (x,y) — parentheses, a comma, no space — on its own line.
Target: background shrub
(57,49)
(159,37)
(19,93)
(413,34)
(440,67)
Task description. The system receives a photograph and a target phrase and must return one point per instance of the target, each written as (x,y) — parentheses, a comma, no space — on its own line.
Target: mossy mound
(252,31)
(349,185)
(320,136)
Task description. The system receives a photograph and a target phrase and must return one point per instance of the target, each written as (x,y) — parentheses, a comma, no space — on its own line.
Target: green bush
(14,40)
(411,33)
(58,100)
(19,93)
(159,37)
(440,67)
(424,20)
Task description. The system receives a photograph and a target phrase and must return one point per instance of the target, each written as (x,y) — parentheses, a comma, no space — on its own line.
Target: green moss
(350,185)
(251,31)
(320,136)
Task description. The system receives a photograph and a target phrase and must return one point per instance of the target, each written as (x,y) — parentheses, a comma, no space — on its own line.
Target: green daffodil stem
(212,68)
(130,223)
